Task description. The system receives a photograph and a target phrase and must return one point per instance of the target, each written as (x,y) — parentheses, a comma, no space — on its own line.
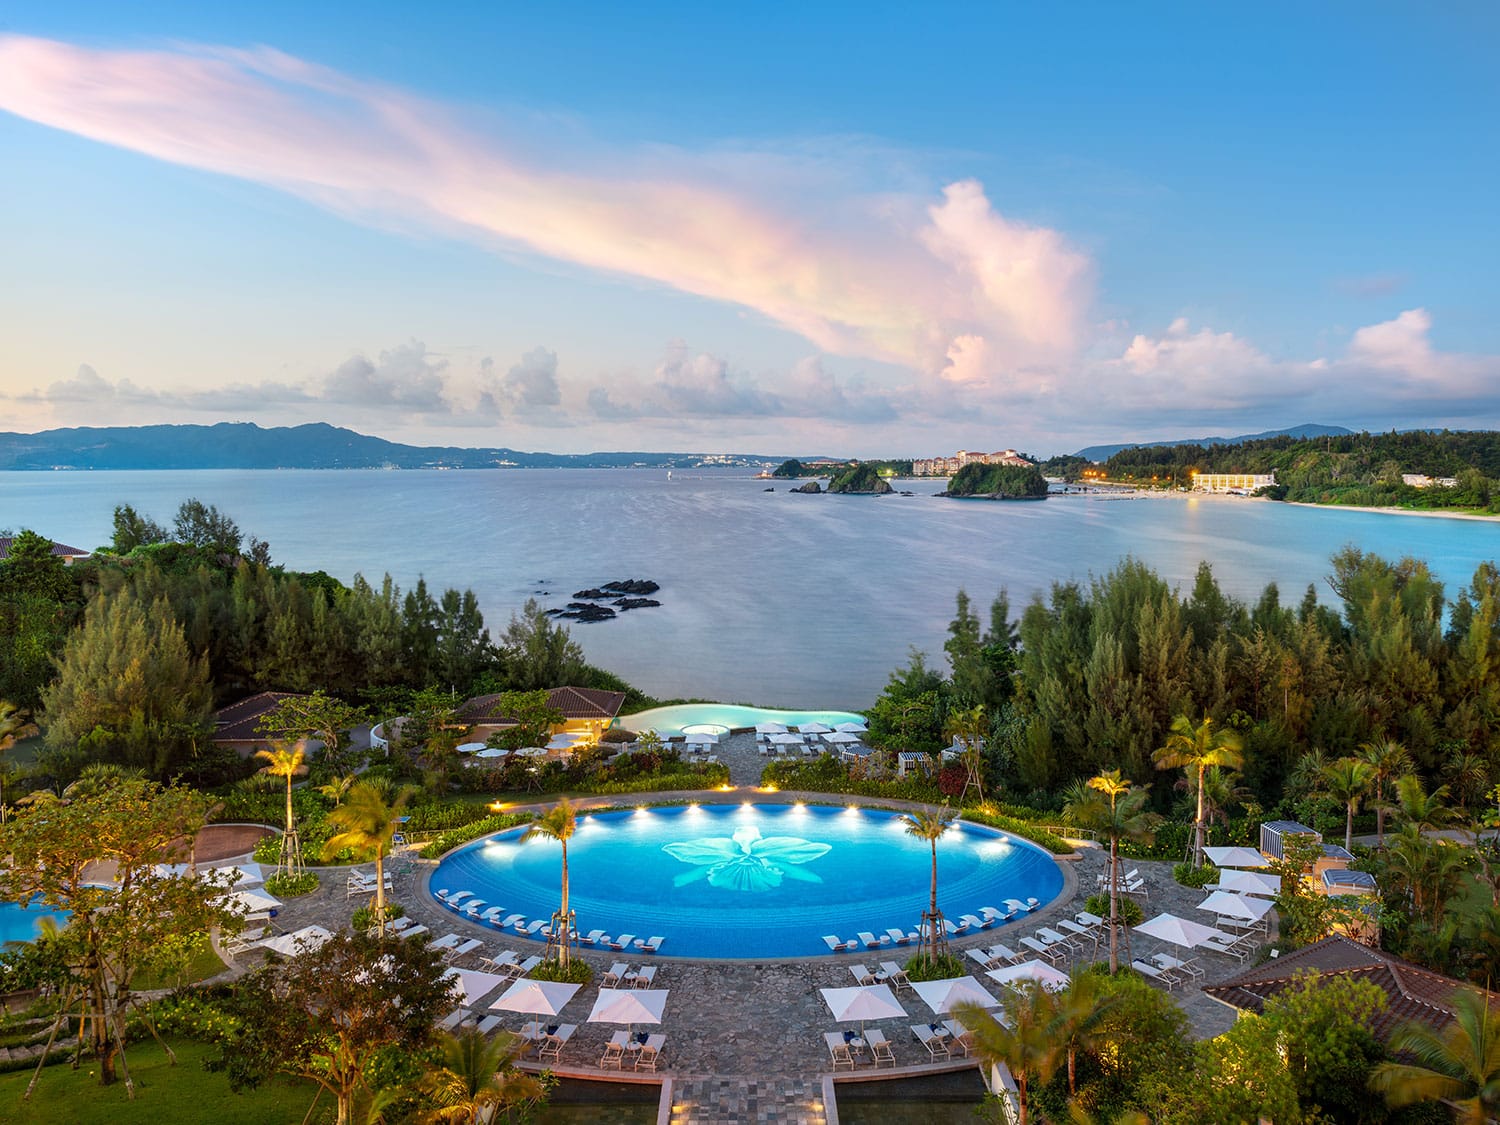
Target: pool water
(749,880)
(19,922)
(676,719)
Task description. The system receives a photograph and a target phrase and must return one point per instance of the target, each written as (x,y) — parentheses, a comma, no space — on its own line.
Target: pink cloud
(895,277)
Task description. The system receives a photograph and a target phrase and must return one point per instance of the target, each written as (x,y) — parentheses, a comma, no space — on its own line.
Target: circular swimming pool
(750,880)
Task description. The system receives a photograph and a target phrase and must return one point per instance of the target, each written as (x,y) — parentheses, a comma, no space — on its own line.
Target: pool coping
(1049,909)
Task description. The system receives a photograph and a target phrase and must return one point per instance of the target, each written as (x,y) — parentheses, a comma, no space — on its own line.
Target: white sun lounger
(1151,972)
(492,915)
(464,950)
(838,1049)
(412,931)
(616,973)
(880,1047)
(838,944)
(1051,953)
(447,941)
(644,978)
(935,1043)
(524,967)
(472,908)
(901,937)
(650,945)
(510,921)
(996,914)
(870,941)
(894,974)
(593,937)
(862,974)
(453,900)
(621,943)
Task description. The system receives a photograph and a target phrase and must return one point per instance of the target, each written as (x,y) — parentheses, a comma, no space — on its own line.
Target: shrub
(1130,910)
(944,966)
(472,831)
(577,971)
(1190,876)
(290,886)
(363,916)
(1054,844)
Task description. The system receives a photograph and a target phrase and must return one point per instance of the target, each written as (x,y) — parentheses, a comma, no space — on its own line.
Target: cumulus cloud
(893,275)
(405,376)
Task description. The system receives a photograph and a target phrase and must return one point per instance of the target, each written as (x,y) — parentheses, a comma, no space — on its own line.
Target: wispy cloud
(895,275)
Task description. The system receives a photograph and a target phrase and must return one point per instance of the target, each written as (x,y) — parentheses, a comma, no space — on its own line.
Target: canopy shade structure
(1039,971)
(1227,905)
(851,728)
(841,736)
(536,997)
(814,728)
(471,747)
(298,941)
(1249,883)
(251,902)
(245,874)
(770,728)
(491,752)
(1178,931)
(942,995)
(701,739)
(474,986)
(785,739)
(1235,857)
(862,1002)
(629,1005)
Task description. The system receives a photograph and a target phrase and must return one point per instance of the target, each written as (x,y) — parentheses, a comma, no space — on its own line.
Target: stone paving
(743,1032)
(741,753)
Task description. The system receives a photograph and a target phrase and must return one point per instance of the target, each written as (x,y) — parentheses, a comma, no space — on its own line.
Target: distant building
(59,550)
(235,725)
(584,710)
(947,466)
(1422,480)
(1232,482)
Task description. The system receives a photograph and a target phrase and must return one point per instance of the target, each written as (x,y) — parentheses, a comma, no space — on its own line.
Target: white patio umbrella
(701,739)
(298,941)
(1178,931)
(629,1006)
(787,739)
(841,736)
(770,728)
(474,986)
(814,728)
(471,747)
(536,997)
(1039,971)
(852,728)
(245,874)
(532,752)
(1227,905)
(1235,857)
(168,870)
(491,752)
(251,902)
(1248,883)
(862,1002)
(942,995)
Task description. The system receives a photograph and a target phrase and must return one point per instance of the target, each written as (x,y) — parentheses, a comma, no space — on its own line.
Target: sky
(854,229)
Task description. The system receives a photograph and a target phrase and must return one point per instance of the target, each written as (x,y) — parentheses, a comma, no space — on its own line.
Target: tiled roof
(1412,993)
(61,550)
(237,722)
(574,703)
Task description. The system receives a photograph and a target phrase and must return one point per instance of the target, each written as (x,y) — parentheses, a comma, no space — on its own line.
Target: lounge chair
(532,929)
(981,957)
(650,945)
(838,944)
(552,1045)
(862,974)
(492,915)
(447,941)
(932,1039)
(1050,953)
(616,973)
(413,931)
(880,1047)
(464,949)
(1080,934)
(524,967)
(472,908)
(453,1019)
(644,978)
(593,937)
(499,963)
(901,937)
(1004,954)
(838,1049)
(894,974)
(1151,972)
(453,901)
(971,922)
(614,1053)
(955,928)
(870,941)
(650,1052)
(996,915)
(962,1039)
(621,943)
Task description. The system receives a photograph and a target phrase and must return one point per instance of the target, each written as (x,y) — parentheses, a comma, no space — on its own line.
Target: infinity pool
(19,922)
(749,880)
(672,720)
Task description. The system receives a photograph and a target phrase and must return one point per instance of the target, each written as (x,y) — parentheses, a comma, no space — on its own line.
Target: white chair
(650,1052)
(838,1049)
(880,1047)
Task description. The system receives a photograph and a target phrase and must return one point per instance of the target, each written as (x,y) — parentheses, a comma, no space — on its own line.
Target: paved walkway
(745,1038)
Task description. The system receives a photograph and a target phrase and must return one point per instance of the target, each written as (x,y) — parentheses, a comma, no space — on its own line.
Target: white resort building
(1232,482)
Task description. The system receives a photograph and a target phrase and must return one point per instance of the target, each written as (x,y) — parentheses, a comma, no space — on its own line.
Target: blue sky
(862,229)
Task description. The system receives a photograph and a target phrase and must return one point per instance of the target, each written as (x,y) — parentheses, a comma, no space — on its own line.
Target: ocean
(767,597)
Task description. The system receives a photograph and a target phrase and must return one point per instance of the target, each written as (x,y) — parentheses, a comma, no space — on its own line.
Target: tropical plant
(1347,781)
(338,787)
(1459,1065)
(1468,777)
(558,823)
(476,1076)
(1389,759)
(367,820)
(1026,1042)
(1081,1010)
(970,728)
(1110,805)
(1419,809)
(97,777)
(286,760)
(930,824)
(1196,749)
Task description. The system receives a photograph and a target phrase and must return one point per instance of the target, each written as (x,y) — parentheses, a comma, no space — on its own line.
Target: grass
(203,964)
(164,1093)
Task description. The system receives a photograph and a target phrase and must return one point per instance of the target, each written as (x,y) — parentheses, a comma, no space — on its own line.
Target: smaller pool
(22,922)
(719,718)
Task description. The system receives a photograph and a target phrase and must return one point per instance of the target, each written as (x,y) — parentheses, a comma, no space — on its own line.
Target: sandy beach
(1225,497)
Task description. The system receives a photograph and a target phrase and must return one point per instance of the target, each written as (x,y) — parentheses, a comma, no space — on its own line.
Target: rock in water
(812,488)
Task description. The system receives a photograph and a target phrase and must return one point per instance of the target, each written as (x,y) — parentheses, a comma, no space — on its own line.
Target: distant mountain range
(244,445)
(1307,430)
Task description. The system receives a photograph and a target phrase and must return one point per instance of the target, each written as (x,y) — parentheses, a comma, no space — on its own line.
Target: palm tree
(368,821)
(971,728)
(1081,1008)
(929,825)
(1029,1047)
(1110,805)
(558,823)
(286,760)
(1390,760)
(99,777)
(1468,778)
(1347,781)
(1196,748)
(338,788)
(476,1077)
(1419,809)
(1459,1065)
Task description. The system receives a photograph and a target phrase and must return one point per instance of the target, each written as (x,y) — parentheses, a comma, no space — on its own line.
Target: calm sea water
(770,598)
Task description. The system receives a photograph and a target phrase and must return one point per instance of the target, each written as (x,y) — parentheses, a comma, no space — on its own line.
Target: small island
(997,482)
(861,479)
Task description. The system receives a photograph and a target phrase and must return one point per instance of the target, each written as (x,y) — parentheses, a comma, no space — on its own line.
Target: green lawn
(164,1094)
(203,964)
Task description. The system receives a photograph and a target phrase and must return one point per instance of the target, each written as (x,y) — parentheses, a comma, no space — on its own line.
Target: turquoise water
(668,721)
(769,598)
(23,923)
(749,880)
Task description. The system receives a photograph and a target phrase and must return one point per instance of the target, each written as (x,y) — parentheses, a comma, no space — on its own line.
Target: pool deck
(744,1039)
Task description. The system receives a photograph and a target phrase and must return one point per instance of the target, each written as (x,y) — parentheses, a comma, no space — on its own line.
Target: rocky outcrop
(584,611)
(634,587)
(860,480)
(636,603)
(812,487)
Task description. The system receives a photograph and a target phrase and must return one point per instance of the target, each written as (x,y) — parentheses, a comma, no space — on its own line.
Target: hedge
(472,831)
(1037,835)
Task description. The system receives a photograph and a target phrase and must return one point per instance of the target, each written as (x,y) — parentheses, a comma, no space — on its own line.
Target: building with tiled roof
(59,550)
(584,710)
(1412,993)
(235,725)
